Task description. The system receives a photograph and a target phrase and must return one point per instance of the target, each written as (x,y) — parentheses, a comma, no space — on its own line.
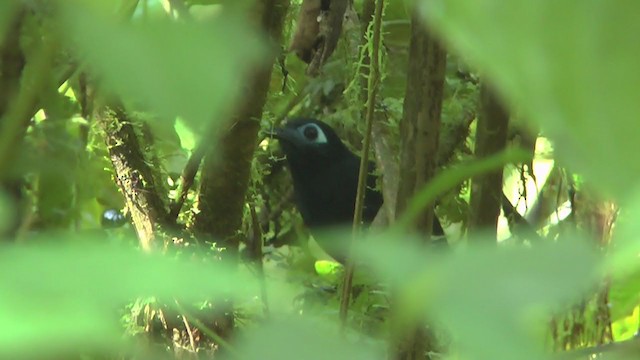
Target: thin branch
(230,350)
(278,209)
(187,177)
(190,333)
(374,78)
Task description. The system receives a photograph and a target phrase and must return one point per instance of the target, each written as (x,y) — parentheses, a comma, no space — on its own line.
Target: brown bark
(452,137)
(420,128)
(134,176)
(226,169)
(318,30)
(305,39)
(491,138)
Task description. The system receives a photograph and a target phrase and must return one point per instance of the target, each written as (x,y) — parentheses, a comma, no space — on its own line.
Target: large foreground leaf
(570,66)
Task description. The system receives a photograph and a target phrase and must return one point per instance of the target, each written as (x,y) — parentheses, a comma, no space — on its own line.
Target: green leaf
(448,179)
(328,269)
(626,328)
(486,295)
(299,338)
(624,295)
(7,10)
(570,66)
(7,212)
(187,137)
(623,263)
(64,294)
(187,69)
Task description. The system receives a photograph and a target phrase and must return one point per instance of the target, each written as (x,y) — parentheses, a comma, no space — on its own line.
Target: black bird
(325,180)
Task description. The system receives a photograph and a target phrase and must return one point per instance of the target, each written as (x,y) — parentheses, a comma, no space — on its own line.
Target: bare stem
(372,88)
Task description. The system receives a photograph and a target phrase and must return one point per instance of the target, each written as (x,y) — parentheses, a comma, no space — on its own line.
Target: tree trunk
(420,129)
(226,168)
(491,137)
(420,126)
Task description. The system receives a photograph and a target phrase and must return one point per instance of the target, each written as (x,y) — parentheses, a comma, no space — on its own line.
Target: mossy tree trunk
(134,176)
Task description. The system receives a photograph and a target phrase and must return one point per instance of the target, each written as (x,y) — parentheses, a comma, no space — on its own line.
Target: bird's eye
(310,132)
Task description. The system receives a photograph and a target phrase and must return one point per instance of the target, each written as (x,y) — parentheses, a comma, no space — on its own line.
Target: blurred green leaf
(7,212)
(486,295)
(64,295)
(193,70)
(624,263)
(187,137)
(570,66)
(449,178)
(626,327)
(624,295)
(7,10)
(300,338)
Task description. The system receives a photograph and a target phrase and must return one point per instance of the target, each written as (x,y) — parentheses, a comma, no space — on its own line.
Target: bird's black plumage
(325,180)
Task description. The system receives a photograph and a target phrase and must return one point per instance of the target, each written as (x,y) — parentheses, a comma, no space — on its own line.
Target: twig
(372,88)
(191,340)
(187,178)
(283,68)
(278,209)
(293,102)
(210,333)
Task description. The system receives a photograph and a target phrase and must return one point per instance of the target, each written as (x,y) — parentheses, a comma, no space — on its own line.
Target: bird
(325,181)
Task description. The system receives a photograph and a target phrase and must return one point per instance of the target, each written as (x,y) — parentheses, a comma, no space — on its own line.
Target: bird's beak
(288,135)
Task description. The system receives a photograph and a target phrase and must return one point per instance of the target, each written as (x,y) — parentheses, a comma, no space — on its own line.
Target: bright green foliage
(569,67)
(66,292)
(484,296)
(162,65)
(305,339)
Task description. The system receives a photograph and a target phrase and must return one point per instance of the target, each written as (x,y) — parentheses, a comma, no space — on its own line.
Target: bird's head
(308,141)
